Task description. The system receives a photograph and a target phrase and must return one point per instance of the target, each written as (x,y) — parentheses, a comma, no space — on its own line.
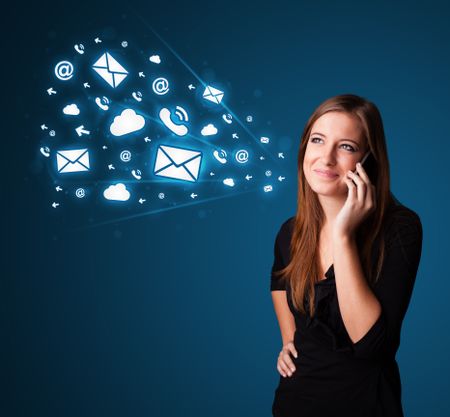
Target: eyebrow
(321,134)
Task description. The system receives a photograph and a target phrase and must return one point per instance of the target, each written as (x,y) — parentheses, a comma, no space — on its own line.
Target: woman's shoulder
(287,226)
(402,222)
(285,232)
(398,213)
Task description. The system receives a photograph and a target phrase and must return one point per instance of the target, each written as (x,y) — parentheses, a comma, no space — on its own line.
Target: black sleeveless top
(333,375)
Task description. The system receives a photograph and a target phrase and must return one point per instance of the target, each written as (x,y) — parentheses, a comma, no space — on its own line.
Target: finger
(351,188)
(292,349)
(282,373)
(288,361)
(284,367)
(362,173)
(360,187)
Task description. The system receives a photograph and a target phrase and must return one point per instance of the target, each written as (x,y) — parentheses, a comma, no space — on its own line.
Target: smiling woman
(344,271)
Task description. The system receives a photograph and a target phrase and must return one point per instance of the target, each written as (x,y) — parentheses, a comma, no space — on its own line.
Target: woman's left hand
(359,204)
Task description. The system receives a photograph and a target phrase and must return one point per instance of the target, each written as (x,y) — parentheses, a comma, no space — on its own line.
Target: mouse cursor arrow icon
(82,131)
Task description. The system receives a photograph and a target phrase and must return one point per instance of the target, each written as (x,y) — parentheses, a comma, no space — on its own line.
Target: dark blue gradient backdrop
(170,314)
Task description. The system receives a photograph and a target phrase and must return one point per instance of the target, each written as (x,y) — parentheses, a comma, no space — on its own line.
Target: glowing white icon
(74,160)
(127,122)
(242,156)
(45,150)
(71,109)
(213,94)
(64,70)
(82,131)
(103,102)
(124,44)
(209,130)
(267,188)
(161,196)
(228,118)
(137,95)
(79,48)
(155,59)
(229,182)
(110,70)
(177,128)
(249,119)
(220,155)
(80,192)
(117,192)
(264,139)
(178,163)
(125,156)
(136,173)
(268,173)
(160,86)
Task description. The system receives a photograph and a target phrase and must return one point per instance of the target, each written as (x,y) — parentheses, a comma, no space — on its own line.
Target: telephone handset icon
(220,155)
(102,103)
(174,120)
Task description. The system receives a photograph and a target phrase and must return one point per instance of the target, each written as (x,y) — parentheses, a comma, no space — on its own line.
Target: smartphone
(365,157)
(369,164)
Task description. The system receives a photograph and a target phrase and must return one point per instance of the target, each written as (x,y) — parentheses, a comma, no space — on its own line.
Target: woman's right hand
(285,365)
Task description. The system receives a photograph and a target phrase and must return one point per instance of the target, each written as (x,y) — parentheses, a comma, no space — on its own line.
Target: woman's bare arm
(285,318)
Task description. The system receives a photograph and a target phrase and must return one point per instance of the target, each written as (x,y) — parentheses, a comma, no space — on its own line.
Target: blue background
(170,314)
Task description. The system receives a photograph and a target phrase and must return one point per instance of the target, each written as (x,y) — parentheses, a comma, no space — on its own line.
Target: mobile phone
(370,166)
(365,157)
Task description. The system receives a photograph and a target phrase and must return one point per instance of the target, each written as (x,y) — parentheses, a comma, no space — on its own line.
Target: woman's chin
(330,191)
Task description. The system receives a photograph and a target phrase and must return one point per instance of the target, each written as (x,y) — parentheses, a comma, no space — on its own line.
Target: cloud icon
(229,182)
(117,192)
(128,121)
(209,130)
(71,109)
(155,59)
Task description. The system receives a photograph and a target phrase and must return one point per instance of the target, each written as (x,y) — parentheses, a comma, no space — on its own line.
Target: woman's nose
(328,157)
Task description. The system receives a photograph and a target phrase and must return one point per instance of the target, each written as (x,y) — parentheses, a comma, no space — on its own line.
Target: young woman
(344,271)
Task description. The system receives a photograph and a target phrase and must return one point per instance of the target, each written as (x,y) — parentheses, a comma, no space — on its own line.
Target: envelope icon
(110,70)
(74,160)
(179,163)
(213,94)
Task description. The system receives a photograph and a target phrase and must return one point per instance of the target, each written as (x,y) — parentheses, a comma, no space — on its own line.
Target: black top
(333,375)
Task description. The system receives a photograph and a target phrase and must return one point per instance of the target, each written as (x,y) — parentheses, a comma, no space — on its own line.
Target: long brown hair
(303,270)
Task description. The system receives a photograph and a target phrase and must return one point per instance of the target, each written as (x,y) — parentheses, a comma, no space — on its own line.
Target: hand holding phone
(364,158)
(362,161)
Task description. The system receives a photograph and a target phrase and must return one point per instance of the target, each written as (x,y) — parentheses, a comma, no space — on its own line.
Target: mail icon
(110,70)
(178,163)
(213,94)
(73,160)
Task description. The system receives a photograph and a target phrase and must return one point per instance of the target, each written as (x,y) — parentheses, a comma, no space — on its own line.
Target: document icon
(110,70)
(179,163)
(213,94)
(74,160)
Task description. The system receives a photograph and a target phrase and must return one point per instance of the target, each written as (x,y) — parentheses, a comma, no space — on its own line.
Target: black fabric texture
(333,375)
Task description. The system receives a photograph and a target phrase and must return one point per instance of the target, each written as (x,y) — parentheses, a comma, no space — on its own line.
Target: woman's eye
(350,148)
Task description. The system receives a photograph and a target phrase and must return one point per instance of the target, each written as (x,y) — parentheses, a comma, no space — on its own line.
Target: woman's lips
(325,175)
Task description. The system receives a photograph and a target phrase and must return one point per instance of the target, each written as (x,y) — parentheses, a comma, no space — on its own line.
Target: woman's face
(335,145)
